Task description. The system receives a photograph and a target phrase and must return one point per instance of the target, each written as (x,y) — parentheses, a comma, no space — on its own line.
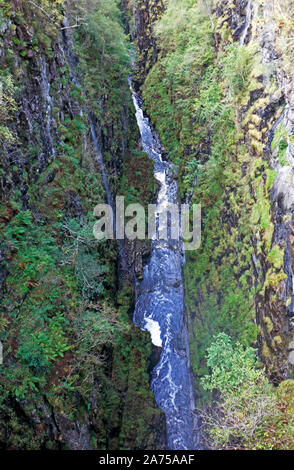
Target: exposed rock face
(275,309)
(37,119)
(146,12)
(264,117)
(253,23)
(52,170)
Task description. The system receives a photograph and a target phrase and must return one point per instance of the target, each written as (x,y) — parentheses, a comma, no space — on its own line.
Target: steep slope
(221,97)
(216,81)
(140,18)
(75,370)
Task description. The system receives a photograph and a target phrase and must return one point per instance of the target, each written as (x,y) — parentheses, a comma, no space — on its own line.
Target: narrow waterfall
(247,23)
(160,309)
(72,63)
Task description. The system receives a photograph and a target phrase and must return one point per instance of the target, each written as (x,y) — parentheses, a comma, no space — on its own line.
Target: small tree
(244,397)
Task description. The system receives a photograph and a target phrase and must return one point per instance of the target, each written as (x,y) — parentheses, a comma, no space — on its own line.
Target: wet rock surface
(47,103)
(160,309)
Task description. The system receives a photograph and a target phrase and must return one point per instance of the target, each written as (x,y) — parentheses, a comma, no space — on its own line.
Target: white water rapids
(160,309)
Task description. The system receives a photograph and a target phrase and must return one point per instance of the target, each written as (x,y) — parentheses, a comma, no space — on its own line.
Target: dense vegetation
(193,97)
(249,412)
(72,358)
(75,370)
(208,97)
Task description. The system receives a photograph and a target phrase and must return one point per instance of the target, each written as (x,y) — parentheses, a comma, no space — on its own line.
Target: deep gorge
(214,79)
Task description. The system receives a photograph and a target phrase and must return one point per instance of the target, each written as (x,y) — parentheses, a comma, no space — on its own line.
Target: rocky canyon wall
(75,370)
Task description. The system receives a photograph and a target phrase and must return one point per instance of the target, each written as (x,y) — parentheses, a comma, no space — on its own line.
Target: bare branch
(73,26)
(40,8)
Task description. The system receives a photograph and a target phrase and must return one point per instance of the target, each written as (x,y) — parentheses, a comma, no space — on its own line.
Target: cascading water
(247,23)
(72,62)
(160,309)
(45,87)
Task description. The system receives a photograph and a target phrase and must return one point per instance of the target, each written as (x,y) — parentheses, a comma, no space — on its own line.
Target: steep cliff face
(221,96)
(141,16)
(217,82)
(75,370)
(269,121)
(243,269)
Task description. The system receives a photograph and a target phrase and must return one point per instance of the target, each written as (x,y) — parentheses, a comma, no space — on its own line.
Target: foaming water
(160,309)
(247,24)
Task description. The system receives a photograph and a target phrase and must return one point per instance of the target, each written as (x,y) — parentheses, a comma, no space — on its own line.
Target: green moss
(280,144)
(276,257)
(266,351)
(138,168)
(278,340)
(201,103)
(68,337)
(269,324)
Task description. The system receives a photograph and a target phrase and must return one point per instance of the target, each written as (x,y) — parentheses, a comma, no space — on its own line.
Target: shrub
(248,412)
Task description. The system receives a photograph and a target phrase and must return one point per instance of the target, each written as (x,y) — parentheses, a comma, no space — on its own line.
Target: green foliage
(8,108)
(247,412)
(35,248)
(104,57)
(171,86)
(68,339)
(237,65)
(138,168)
(276,257)
(231,365)
(197,95)
(280,144)
(193,170)
(246,398)
(61,327)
